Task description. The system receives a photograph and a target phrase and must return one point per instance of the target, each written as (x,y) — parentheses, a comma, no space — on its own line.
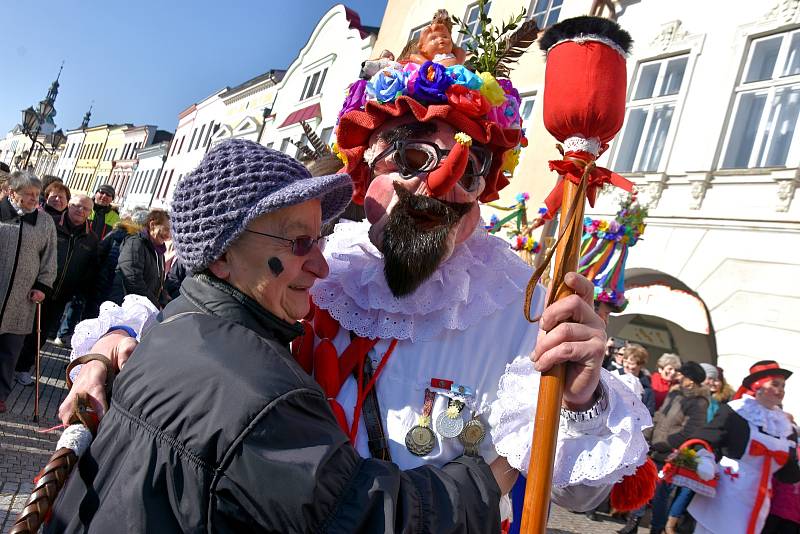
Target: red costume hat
(475,98)
(356,127)
(761,372)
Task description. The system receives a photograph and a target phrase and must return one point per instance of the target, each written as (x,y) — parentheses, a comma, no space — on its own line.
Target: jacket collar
(221,299)
(8,213)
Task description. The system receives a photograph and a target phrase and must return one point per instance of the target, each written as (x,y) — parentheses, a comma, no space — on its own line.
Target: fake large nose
(442,179)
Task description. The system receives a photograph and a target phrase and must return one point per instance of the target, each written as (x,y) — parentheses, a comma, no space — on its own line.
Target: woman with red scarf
(755,440)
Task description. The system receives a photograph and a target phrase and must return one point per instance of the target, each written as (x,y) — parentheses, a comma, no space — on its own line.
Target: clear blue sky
(143,62)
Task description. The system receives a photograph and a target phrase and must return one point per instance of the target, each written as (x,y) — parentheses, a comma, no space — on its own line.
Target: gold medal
(420,439)
(472,435)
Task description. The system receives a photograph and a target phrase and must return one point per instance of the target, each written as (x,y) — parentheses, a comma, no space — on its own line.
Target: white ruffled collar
(773,422)
(482,276)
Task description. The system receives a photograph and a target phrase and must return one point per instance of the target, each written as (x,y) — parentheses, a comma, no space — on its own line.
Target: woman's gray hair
(19,180)
(139,216)
(669,359)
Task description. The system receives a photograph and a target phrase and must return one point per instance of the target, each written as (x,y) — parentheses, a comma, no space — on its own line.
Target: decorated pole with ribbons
(584,108)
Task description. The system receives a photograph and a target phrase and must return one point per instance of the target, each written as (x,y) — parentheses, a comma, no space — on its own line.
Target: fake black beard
(415,238)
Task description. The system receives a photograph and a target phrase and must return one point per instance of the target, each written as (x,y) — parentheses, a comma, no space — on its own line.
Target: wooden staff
(551,385)
(38,352)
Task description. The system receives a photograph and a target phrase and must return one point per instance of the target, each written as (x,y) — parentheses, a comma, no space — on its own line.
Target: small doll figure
(436,43)
(371,67)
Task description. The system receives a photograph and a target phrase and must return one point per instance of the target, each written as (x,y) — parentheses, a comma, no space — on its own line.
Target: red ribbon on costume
(330,370)
(781,457)
(572,168)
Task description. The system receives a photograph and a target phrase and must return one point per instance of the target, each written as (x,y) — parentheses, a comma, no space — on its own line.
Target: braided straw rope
(55,474)
(50,481)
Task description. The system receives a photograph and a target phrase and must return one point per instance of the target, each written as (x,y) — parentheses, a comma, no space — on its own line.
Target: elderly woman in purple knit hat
(213,426)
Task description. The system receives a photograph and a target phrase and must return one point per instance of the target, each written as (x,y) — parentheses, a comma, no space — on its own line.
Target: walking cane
(584,108)
(38,353)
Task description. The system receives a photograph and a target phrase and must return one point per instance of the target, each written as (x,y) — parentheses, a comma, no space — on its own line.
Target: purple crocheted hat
(236,182)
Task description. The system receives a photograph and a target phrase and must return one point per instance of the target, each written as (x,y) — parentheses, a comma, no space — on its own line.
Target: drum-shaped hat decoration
(584,98)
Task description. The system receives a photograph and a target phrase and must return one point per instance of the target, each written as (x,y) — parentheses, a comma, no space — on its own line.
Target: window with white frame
(526,108)
(313,84)
(472,21)
(651,107)
(766,106)
(414,34)
(326,135)
(545,12)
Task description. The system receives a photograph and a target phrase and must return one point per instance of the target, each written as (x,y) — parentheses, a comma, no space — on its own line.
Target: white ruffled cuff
(595,453)
(136,312)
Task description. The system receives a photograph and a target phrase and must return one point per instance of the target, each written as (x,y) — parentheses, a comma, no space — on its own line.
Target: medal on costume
(420,440)
(472,436)
(449,424)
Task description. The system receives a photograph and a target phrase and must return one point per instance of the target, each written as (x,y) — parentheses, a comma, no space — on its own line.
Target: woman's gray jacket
(28,254)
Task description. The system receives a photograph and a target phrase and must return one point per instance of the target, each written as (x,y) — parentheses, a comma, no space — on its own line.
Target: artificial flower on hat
(476,98)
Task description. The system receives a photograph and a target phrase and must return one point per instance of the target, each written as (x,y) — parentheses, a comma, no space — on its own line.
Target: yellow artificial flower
(492,90)
(510,161)
(339,155)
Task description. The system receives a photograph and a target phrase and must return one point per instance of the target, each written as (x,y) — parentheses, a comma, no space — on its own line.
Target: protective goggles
(410,158)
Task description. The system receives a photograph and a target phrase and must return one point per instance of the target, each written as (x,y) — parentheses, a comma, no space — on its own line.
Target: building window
(326,134)
(313,84)
(285,145)
(270,145)
(181,145)
(545,12)
(649,114)
(191,141)
(200,137)
(526,108)
(300,144)
(414,34)
(472,21)
(766,106)
(211,128)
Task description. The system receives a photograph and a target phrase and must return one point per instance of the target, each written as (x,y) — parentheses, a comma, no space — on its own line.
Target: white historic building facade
(247,107)
(122,170)
(196,125)
(69,157)
(711,141)
(146,175)
(313,88)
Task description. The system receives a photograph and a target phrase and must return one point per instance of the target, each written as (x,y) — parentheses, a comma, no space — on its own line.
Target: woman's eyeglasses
(301,245)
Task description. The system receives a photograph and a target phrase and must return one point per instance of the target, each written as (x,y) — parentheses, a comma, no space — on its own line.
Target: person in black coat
(140,268)
(76,265)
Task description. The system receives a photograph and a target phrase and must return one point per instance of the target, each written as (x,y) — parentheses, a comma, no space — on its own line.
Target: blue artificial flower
(461,75)
(388,84)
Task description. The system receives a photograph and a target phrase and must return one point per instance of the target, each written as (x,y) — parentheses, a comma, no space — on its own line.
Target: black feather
(514,46)
(577,26)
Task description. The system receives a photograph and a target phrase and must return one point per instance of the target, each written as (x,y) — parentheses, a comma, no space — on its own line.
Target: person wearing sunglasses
(104,216)
(213,425)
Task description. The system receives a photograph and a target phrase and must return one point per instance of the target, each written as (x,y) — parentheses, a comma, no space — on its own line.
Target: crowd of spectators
(686,400)
(67,253)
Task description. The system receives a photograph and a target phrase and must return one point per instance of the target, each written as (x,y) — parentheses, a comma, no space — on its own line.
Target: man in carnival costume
(754,440)
(417,336)
(437,303)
